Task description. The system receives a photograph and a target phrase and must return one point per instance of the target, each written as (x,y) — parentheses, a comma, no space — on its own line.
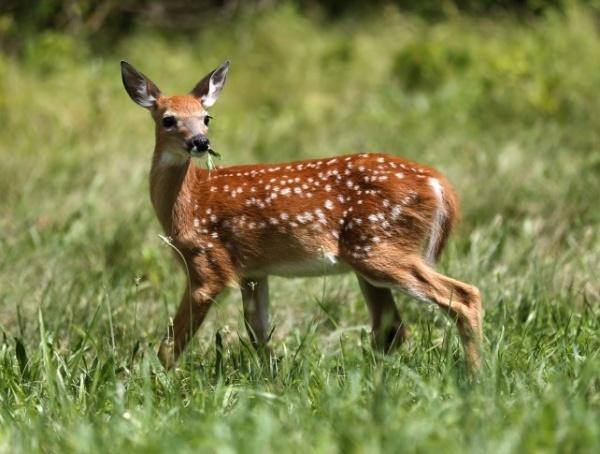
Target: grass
(509,111)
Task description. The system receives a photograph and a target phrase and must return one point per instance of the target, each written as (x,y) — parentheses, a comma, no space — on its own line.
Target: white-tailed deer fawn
(385,218)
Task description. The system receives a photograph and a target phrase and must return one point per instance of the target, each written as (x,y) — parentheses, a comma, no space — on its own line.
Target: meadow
(508,109)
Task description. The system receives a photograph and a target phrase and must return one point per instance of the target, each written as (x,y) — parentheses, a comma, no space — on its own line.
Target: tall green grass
(509,111)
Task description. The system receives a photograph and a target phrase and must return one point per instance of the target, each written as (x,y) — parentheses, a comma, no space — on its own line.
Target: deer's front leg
(192,310)
(255,297)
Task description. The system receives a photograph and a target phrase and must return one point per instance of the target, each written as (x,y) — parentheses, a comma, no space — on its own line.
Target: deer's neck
(171,185)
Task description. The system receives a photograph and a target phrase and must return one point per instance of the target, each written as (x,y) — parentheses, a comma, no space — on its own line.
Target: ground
(507,109)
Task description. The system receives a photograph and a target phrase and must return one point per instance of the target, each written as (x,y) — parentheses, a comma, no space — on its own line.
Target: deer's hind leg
(411,275)
(388,328)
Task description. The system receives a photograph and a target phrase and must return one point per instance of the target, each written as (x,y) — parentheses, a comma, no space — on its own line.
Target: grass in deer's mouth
(210,155)
(495,106)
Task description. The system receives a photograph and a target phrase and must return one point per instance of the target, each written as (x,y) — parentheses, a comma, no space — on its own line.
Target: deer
(385,218)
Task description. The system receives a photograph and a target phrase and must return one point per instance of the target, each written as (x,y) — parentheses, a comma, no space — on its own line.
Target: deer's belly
(315,266)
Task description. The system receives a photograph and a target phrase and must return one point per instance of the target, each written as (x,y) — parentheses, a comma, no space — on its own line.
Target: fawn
(385,218)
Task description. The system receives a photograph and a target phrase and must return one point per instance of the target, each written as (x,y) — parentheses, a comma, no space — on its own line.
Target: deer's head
(181,120)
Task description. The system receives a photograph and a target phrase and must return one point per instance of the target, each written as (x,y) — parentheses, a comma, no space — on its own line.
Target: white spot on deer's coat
(329,204)
(196,222)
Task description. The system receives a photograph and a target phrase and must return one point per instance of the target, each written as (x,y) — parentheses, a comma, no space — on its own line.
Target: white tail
(377,215)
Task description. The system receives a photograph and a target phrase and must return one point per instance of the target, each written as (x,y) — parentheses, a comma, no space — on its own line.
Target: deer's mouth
(195,153)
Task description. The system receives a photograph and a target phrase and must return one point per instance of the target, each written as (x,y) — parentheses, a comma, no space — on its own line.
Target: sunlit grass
(508,111)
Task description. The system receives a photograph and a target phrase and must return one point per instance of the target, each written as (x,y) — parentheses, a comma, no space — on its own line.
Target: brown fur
(370,213)
(253,245)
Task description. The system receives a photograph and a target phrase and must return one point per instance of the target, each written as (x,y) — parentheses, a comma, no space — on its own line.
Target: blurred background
(502,96)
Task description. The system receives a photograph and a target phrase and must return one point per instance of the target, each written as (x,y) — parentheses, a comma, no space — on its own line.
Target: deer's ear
(209,88)
(141,89)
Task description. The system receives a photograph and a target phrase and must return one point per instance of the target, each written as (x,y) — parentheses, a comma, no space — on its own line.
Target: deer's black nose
(199,142)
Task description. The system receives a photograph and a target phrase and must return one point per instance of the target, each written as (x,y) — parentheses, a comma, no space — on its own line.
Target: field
(508,109)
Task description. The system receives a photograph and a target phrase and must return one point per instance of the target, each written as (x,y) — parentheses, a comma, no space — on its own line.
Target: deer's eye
(169,121)
(207,120)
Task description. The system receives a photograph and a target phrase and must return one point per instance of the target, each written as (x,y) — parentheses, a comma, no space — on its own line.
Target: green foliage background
(505,102)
